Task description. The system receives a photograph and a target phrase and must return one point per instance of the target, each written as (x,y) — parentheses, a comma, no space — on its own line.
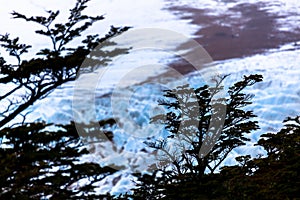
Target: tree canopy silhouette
(35,78)
(39,163)
(43,161)
(187,166)
(273,176)
(186,105)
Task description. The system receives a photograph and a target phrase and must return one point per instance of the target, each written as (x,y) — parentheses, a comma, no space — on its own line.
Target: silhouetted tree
(34,79)
(39,163)
(273,176)
(187,178)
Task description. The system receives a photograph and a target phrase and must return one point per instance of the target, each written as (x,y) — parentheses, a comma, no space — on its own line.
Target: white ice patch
(138,14)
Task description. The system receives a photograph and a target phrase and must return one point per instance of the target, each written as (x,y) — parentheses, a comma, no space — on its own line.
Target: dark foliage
(275,176)
(34,79)
(37,163)
(187,179)
(42,163)
(182,120)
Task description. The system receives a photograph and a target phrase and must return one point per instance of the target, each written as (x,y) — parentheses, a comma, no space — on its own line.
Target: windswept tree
(41,161)
(185,174)
(184,103)
(35,78)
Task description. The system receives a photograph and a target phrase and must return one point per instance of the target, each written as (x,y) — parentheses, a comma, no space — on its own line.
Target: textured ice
(277,97)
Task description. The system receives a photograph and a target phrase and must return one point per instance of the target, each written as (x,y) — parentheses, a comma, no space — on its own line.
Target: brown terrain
(225,36)
(253,32)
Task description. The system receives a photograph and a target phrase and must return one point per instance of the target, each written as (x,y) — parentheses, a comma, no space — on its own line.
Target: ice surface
(277,97)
